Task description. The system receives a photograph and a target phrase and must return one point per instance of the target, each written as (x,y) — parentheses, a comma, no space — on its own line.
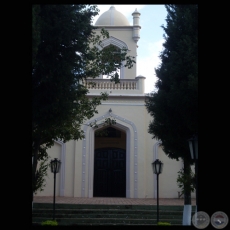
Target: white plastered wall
(78,164)
(54,152)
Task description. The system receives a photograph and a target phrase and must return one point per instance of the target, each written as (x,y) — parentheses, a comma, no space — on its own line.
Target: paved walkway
(107,200)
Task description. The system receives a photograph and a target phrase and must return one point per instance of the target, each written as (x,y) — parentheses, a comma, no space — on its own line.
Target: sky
(151,37)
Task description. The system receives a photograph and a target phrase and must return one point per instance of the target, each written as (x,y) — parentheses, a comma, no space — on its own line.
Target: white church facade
(117,165)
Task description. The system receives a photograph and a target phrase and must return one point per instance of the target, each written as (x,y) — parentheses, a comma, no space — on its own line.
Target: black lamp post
(55,166)
(157,169)
(193,146)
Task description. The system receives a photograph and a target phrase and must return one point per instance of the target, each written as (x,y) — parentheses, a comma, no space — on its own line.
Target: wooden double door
(109,173)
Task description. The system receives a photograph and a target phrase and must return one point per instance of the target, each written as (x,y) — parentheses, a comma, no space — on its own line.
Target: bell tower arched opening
(116,51)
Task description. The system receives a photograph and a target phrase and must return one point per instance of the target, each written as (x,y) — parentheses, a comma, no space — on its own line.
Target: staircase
(88,214)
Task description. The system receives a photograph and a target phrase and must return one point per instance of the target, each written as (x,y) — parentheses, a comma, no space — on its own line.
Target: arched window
(116,56)
(108,132)
(119,45)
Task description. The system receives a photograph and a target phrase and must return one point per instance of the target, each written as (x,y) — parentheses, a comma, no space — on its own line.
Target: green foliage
(66,53)
(186,181)
(35,31)
(66,57)
(112,65)
(40,175)
(49,223)
(109,121)
(163,223)
(106,122)
(174,105)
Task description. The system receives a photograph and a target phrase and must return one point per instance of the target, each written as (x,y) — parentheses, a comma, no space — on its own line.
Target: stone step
(110,211)
(97,206)
(96,215)
(101,224)
(72,214)
(108,221)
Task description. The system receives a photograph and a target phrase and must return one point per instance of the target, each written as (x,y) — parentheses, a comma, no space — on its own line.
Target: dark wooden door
(109,173)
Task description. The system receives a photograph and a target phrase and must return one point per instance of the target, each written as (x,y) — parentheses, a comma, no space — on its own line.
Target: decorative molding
(124,104)
(122,71)
(135,145)
(140,95)
(115,28)
(124,101)
(113,41)
(62,173)
(84,162)
(125,125)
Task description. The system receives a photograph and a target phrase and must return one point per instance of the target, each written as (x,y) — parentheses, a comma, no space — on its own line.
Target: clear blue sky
(151,37)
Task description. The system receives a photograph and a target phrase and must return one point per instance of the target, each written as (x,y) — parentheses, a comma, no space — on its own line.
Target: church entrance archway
(110,164)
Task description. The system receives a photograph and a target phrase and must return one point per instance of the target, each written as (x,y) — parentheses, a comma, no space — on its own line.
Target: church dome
(112,17)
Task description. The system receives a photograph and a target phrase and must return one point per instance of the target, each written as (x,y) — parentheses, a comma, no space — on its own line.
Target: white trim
(113,41)
(74,168)
(155,156)
(119,95)
(62,173)
(127,126)
(83,163)
(115,28)
(187,214)
(122,70)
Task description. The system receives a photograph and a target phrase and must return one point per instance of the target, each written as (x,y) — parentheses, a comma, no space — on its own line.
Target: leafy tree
(174,104)
(40,175)
(65,54)
(186,181)
(35,31)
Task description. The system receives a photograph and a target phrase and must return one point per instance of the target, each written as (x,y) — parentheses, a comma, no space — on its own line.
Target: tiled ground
(107,200)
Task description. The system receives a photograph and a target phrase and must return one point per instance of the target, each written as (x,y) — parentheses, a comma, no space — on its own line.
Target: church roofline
(106,26)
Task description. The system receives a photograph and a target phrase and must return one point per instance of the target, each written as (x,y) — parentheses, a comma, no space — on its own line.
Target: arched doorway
(109,173)
(110,164)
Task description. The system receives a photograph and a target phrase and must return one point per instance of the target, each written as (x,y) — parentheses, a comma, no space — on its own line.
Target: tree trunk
(187,212)
(34,166)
